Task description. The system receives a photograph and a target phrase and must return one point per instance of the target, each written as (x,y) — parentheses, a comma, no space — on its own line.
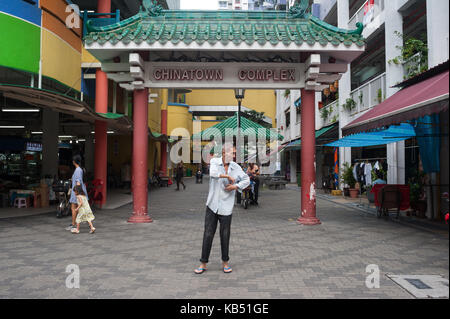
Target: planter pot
(354,192)
(420,207)
(371,197)
(346,191)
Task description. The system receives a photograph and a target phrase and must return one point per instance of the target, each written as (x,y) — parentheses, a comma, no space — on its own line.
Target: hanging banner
(369,10)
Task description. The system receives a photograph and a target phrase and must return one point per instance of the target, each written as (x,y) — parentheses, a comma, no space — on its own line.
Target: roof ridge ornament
(298,11)
(151,7)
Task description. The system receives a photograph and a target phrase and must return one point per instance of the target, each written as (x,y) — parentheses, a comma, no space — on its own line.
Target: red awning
(424,98)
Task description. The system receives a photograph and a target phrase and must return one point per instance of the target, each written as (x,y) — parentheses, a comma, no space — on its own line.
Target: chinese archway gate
(220,49)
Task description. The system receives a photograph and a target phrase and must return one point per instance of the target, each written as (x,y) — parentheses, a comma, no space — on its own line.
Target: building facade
(43,57)
(254,5)
(391,28)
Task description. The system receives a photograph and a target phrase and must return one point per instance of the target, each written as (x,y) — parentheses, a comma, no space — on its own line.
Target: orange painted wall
(54,18)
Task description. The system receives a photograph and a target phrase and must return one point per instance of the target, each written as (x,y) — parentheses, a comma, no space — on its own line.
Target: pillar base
(309,221)
(140,219)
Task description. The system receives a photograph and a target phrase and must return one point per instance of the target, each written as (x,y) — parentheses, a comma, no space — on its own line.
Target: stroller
(61,189)
(245,197)
(248,194)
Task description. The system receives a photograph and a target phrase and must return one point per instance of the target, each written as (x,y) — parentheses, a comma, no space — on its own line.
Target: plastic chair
(95,194)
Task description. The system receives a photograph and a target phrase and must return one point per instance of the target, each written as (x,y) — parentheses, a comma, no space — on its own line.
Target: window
(288,118)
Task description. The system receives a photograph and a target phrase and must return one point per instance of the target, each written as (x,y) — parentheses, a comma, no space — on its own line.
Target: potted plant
(349,104)
(325,112)
(417,203)
(349,179)
(379,96)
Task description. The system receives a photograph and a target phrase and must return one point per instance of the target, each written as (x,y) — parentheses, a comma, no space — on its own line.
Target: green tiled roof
(231,123)
(296,145)
(154,25)
(112,116)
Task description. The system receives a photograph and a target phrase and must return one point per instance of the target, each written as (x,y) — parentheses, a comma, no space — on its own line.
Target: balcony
(414,65)
(329,113)
(366,18)
(369,94)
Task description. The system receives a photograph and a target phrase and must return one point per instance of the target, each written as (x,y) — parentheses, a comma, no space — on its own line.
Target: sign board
(197,75)
(33,147)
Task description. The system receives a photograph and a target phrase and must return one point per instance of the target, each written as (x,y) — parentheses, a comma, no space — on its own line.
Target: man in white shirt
(225,177)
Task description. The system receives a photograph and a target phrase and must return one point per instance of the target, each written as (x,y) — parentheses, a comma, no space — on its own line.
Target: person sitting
(379,179)
(253,172)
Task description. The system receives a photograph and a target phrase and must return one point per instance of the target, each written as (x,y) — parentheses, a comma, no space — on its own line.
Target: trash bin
(188,172)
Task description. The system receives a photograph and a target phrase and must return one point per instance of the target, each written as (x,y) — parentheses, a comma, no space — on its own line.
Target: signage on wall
(33,147)
(227,75)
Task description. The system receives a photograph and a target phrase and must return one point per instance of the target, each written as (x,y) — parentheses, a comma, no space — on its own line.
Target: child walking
(83,210)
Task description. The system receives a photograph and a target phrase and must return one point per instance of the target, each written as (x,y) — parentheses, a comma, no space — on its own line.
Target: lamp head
(239,94)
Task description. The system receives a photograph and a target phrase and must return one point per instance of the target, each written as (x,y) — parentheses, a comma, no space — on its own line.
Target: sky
(199,4)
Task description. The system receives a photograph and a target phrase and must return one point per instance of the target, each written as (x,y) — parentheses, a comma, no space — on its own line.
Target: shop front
(40,132)
(422,103)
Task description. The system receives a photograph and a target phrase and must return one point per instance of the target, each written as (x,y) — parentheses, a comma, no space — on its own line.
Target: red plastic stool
(96,195)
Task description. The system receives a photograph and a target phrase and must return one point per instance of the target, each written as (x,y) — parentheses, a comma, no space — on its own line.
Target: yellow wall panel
(258,100)
(179,117)
(60,61)
(154,111)
(87,57)
(208,124)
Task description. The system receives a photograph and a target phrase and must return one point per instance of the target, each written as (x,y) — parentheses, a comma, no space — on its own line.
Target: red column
(308,159)
(140,153)
(104,6)
(164,144)
(101,139)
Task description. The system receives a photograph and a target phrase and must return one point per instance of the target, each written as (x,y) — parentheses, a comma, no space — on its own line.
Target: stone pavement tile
(271,255)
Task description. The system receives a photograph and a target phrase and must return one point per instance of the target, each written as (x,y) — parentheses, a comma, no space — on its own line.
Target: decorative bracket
(152,8)
(298,11)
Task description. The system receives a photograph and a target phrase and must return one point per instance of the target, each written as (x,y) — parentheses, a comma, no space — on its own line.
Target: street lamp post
(239,94)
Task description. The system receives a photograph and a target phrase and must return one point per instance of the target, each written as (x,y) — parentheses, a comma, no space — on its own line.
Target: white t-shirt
(368,173)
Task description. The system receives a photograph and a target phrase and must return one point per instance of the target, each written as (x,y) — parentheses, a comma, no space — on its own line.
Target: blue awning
(395,133)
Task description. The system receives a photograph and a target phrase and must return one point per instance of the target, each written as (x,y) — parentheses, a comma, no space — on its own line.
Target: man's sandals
(227,270)
(200,270)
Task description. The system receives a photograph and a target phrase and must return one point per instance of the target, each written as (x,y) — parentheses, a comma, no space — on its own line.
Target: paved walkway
(272,256)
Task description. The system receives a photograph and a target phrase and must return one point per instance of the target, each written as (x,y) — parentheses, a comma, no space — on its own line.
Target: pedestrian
(226,177)
(179,175)
(77,180)
(84,212)
(199,175)
(253,172)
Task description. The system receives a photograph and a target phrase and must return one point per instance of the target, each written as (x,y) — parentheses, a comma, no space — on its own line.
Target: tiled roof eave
(140,29)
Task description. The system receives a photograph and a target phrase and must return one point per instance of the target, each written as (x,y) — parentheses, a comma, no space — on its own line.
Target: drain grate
(423,286)
(419,284)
